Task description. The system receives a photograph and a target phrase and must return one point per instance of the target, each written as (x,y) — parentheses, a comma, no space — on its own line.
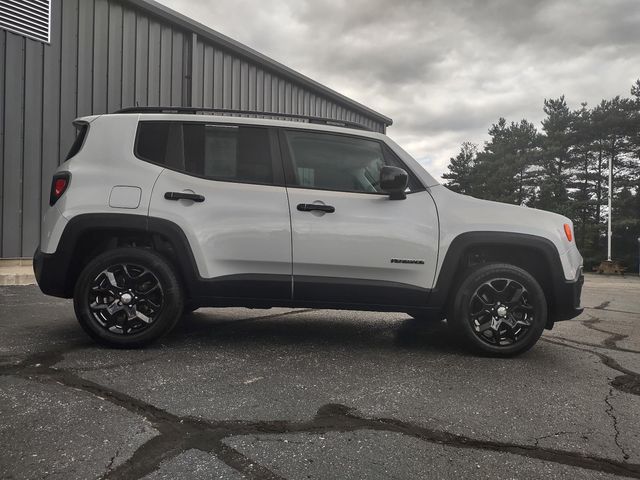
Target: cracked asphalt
(296,394)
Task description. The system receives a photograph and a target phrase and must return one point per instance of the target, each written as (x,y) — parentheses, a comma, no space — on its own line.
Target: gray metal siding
(85,57)
(32,166)
(13,143)
(3,64)
(50,141)
(68,74)
(107,54)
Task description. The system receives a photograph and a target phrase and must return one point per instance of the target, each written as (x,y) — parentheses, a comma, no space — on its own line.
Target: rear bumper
(567,299)
(51,273)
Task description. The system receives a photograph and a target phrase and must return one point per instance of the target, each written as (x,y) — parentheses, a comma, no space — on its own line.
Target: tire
(499,310)
(127,298)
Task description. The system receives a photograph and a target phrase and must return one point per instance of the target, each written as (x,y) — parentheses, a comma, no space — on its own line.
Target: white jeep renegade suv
(161,211)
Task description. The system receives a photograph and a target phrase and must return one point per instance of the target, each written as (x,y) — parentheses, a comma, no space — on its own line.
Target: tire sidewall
(172,297)
(461,325)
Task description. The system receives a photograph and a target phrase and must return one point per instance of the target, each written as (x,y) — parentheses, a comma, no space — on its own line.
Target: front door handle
(310,207)
(184,196)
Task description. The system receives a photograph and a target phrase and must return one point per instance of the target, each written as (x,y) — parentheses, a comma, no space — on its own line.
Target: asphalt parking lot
(295,394)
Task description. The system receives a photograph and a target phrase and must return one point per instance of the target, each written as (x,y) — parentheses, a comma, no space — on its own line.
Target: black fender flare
(56,272)
(562,301)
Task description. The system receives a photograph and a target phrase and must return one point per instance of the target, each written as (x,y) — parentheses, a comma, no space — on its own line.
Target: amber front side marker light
(567,231)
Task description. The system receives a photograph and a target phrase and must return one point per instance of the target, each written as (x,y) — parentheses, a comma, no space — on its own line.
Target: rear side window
(152,141)
(81,135)
(217,152)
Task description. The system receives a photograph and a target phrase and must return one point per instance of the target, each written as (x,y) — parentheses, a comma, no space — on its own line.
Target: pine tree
(581,183)
(505,169)
(459,176)
(557,157)
(565,169)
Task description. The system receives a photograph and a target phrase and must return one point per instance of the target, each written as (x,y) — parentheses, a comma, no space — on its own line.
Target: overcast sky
(444,71)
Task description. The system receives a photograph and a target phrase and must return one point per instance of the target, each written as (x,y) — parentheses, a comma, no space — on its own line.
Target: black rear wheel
(127,297)
(499,309)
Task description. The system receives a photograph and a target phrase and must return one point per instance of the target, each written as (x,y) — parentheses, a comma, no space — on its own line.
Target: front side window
(217,152)
(337,162)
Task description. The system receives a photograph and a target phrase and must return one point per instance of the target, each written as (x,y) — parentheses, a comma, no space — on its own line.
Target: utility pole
(610,211)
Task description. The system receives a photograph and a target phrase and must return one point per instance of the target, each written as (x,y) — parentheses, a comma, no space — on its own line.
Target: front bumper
(567,299)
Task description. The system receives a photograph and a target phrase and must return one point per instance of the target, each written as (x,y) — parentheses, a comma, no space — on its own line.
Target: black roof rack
(226,111)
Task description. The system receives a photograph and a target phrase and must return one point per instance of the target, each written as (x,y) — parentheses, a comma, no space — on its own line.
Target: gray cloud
(444,71)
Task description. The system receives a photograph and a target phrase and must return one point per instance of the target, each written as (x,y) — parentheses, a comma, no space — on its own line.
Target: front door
(351,243)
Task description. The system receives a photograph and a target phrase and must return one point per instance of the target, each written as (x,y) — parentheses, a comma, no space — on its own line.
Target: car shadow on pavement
(293,328)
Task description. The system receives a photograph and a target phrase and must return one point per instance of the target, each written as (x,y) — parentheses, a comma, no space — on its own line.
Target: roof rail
(226,111)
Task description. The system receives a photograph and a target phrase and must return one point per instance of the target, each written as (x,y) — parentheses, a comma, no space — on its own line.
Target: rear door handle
(310,207)
(184,196)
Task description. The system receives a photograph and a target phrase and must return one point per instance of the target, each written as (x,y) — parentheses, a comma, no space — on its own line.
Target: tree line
(564,168)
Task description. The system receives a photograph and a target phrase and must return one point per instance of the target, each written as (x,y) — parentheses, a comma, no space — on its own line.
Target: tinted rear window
(81,135)
(218,152)
(152,141)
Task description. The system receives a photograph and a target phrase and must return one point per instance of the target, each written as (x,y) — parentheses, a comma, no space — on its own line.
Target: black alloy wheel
(498,309)
(128,297)
(500,312)
(125,299)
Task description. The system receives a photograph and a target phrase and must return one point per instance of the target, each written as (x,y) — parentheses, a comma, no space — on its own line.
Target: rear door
(223,186)
(351,243)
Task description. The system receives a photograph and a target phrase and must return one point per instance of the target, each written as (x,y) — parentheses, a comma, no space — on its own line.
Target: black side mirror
(393,180)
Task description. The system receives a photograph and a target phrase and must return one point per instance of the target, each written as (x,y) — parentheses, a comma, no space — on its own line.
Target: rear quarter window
(151,142)
(81,134)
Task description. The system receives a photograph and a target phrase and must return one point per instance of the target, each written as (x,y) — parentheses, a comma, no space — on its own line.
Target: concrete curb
(16,271)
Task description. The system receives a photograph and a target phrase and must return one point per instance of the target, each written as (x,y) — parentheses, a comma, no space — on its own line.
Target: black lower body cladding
(51,273)
(567,297)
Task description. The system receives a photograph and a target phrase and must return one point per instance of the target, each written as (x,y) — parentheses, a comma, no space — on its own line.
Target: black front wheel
(127,297)
(499,309)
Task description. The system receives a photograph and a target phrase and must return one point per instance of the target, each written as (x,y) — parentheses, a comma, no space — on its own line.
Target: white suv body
(256,212)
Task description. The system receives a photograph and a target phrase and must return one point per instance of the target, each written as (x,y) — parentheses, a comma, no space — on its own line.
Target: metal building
(63,59)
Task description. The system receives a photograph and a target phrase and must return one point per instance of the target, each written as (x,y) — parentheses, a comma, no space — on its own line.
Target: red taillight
(59,185)
(567,231)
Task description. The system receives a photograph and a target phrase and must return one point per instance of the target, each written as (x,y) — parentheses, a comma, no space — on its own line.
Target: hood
(461,213)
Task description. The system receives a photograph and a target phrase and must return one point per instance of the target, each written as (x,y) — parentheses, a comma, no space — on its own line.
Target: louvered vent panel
(31,18)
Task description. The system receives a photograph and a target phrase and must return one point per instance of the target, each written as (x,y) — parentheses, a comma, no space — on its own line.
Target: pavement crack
(242,463)
(552,435)
(628,382)
(612,340)
(599,307)
(113,459)
(588,344)
(611,413)
(602,306)
(177,434)
(605,359)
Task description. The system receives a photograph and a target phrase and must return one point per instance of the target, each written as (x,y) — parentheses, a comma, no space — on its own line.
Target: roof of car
(248,114)
(244,117)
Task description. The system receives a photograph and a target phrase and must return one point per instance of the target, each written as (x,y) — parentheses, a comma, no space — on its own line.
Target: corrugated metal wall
(222,80)
(106,54)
